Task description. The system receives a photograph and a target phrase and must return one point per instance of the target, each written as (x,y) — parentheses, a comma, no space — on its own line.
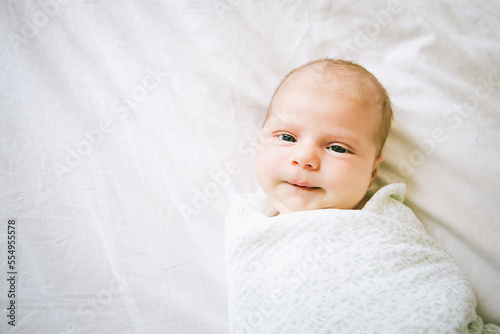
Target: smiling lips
(303,186)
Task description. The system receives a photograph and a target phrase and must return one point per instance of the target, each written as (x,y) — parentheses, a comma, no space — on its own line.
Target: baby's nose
(306,158)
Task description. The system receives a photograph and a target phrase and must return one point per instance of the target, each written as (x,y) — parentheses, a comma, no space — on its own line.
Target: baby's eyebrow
(346,137)
(279,122)
(342,133)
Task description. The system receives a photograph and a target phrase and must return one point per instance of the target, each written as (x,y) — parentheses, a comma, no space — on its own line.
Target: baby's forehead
(344,83)
(340,81)
(323,75)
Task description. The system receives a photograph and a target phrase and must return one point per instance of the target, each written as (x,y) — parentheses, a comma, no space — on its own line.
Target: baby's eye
(287,137)
(338,149)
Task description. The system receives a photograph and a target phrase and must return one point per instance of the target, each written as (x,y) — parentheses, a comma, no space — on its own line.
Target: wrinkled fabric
(126,126)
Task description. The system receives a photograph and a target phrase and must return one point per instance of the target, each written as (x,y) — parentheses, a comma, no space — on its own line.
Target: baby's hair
(351,73)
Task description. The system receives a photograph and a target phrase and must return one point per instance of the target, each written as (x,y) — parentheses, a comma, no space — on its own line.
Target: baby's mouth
(303,186)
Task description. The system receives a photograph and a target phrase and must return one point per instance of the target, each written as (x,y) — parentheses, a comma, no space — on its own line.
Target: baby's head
(321,143)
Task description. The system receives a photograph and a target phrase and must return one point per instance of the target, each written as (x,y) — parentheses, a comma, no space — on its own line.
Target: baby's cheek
(347,176)
(268,168)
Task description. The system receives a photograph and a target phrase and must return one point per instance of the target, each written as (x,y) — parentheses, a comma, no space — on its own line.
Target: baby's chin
(283,207)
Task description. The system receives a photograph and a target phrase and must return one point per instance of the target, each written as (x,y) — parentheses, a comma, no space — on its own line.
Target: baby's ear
(376,166)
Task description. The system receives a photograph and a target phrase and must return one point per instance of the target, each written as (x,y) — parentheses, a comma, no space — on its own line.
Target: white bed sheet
(126,126)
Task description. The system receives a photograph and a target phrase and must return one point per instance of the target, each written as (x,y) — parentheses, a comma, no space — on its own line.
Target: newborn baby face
(317,148)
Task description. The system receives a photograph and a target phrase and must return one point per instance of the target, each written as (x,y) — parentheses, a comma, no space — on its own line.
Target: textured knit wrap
(342,271)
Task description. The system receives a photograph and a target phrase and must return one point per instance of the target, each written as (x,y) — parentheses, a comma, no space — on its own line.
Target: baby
(358,265)
(321,144)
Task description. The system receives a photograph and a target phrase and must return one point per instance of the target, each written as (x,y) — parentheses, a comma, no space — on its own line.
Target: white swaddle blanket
(342,271)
